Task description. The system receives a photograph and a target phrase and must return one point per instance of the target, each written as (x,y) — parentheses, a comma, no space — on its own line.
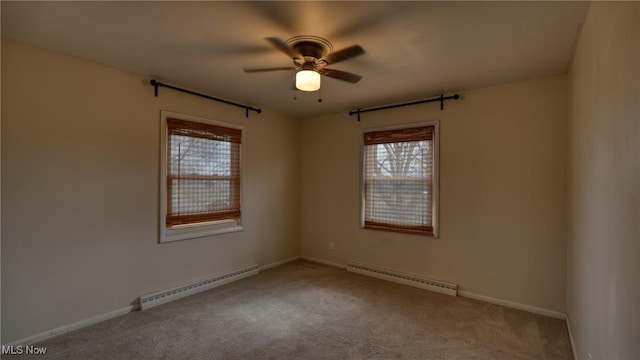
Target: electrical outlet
(331,246)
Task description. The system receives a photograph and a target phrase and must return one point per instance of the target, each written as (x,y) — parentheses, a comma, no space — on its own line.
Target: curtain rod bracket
(355,112)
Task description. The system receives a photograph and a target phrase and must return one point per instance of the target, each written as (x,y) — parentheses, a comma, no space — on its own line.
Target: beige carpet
(304,310)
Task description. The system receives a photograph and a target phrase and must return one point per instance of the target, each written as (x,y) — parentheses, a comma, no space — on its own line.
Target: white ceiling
(414,50)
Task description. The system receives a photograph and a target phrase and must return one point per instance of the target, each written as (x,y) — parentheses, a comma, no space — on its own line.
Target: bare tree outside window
(201,174)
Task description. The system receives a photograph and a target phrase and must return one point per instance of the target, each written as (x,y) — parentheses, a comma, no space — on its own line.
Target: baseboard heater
(407,279)
(161,297)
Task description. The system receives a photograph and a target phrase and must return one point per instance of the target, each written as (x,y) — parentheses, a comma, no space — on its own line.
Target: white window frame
(436,170)
(191,231)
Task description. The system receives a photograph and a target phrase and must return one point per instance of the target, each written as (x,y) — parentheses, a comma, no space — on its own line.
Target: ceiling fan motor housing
(312,54)
(312,49)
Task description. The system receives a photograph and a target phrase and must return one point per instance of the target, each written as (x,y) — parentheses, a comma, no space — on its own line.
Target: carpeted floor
(305,310)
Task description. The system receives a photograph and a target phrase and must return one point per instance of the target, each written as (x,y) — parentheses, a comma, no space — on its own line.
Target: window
(400,180)
(200,178)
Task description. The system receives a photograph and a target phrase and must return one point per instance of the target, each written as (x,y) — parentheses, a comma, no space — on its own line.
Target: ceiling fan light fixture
(307,80)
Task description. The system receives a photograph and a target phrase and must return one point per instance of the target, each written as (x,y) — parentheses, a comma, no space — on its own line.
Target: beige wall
(603,287)
(502,194)
(80,155)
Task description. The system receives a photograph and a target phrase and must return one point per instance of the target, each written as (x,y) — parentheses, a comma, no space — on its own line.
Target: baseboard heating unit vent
(407,279)
(165,296)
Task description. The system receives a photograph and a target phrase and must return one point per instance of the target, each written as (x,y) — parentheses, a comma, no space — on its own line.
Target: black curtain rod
(441,98)
(157,84)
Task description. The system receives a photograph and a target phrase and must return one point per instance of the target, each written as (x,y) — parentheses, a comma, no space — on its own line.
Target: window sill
(430,234)
(197,231)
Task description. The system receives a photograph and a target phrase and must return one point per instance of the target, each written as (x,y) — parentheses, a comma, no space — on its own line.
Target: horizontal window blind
(398,184)
(203,172)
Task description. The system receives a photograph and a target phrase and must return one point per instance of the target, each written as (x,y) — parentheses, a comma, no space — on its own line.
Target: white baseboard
(514,305)
(72,327)
(324,262)
(573,345)
(279,263)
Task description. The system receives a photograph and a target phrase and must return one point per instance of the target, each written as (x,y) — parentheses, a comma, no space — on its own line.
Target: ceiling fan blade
(341,75)
(253,70)
(344,54)
(284,47)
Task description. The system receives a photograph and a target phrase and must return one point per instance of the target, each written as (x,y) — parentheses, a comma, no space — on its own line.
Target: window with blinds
(202,172)
(399,180)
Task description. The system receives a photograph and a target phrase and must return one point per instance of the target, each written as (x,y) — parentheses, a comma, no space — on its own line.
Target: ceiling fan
(310,55)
